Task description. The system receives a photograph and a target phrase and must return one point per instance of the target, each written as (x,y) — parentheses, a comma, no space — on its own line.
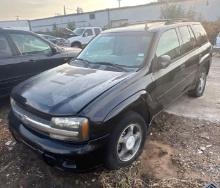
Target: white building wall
(207,9)
(19,24)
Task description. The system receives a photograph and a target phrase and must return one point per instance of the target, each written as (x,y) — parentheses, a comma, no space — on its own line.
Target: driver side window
(88,33)
(169,44)
(30,45)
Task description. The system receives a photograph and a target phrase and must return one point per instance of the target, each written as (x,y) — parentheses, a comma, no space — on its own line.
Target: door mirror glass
(53,50)
(164,61)
(85,34)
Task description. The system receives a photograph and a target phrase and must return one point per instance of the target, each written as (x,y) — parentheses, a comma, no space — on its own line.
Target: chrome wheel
(202,82)
(129,142)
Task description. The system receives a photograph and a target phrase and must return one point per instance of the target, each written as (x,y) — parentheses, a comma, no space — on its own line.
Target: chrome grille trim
(37,123)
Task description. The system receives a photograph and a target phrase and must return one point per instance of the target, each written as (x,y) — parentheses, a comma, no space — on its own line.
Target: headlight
(79,126)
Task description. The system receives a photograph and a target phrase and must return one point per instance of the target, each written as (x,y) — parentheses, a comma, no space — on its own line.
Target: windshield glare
(79,31)
(128,50)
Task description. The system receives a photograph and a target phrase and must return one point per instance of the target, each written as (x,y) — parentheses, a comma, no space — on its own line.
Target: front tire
(200,84)
(126,142)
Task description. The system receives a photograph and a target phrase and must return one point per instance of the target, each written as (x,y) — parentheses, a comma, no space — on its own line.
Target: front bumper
(60,154)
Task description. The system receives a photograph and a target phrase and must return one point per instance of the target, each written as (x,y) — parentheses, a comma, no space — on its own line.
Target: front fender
(140,101)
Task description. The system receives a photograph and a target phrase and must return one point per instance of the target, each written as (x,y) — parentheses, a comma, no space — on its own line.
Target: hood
(65,90)
(68,50)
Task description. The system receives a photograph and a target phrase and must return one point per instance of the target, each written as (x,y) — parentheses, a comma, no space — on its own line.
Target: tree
(172,11)
(71,25)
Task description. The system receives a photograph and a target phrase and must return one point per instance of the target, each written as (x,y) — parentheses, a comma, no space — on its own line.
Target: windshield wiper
(112,65)
(84,61)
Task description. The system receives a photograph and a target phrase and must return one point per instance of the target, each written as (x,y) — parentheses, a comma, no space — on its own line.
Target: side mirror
(53,50)
(85,34)
(164,61)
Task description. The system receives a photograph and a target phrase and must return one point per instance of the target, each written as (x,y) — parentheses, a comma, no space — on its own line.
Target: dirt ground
(182,150)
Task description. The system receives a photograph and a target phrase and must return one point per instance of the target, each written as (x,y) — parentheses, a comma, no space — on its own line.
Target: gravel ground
(182,150)
(179,152)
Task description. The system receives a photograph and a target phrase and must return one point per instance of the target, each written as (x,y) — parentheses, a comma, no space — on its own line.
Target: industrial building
(108,18)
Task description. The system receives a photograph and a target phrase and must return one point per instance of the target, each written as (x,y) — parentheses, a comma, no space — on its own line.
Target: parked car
(56,40)
(218,41)
(82,36)
(24,54)
(98,108)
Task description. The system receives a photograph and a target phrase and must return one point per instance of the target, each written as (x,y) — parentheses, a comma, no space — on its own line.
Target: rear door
(34,55)
(188,55)
(168,81)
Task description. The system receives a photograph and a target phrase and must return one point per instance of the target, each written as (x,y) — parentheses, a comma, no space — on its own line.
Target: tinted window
(5,50)
(88,32)
(169,44)
(200,34)
(124,49)
(97,31)
(29,44)
(187,40)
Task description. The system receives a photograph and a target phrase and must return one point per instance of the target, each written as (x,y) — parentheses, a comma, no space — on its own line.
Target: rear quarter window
(169,44)
(187,40)
(200,34)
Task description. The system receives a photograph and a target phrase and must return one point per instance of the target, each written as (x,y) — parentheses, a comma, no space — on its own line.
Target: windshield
(126,50)
(78,31)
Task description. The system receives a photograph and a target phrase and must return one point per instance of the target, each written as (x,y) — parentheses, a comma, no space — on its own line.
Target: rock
(203,148)
(93,180)
(8,143)
(209,146)
(1,120)
(200,151)
(76,182)
(204,136)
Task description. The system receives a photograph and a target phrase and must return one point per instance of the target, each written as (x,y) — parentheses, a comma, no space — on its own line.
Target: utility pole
(119,3)
(64,10)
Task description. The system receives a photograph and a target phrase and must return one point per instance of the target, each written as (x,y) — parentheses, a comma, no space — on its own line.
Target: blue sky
(30,9)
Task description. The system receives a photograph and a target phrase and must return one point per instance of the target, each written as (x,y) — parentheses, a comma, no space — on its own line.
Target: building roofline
(111,9)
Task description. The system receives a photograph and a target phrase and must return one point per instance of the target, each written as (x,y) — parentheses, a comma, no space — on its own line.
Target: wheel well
(76,42)
(143,112)
(207,66)
(141,109)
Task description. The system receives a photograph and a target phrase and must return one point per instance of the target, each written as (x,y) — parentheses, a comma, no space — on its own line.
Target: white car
(82,36)
(218,41)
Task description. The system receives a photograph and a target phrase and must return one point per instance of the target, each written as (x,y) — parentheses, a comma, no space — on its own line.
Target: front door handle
(32,61)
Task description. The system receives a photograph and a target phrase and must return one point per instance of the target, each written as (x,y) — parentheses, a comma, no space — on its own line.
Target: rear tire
(200,84)
(76,45)
(126,142)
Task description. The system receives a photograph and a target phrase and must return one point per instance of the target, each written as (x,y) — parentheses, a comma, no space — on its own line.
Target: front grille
(41,125)
(211,186)
(21,114)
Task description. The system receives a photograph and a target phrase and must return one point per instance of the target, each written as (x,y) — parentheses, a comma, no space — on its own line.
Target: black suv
(24,54)
(98,107)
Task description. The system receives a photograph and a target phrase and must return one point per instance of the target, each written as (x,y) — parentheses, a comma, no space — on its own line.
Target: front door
(7,60)
(168,80)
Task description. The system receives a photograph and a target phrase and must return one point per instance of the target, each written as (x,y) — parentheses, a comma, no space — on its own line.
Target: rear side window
(169,44)
(5,50)
(200,34)
(88,33)
(187,40)
(97,31)
(29,44)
